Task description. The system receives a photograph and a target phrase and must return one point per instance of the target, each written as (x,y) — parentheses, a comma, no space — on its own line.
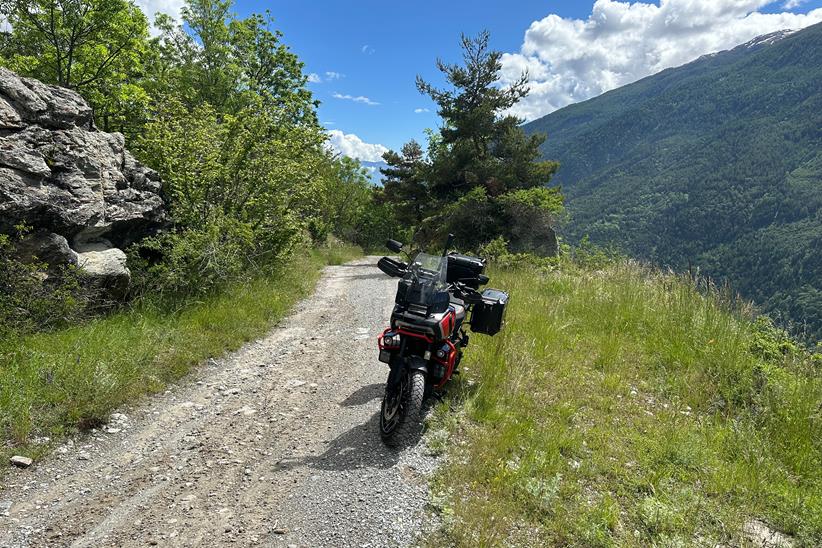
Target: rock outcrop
(79,189)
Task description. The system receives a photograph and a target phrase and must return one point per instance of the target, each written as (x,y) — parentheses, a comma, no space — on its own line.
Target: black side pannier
(488,315)
(465,269)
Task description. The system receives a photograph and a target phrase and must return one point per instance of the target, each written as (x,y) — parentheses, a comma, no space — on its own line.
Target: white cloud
(356,99)
(352,146)
(421,110)
(315,78)
(793,4)
(152,7)
(570,60)
(368,50)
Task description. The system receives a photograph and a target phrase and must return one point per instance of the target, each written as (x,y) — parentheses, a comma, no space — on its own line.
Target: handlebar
(467,294)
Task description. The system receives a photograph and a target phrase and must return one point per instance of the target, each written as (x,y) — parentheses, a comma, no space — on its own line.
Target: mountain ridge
(715,163)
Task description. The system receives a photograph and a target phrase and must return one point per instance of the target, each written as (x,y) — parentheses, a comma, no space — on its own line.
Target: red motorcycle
(423,347)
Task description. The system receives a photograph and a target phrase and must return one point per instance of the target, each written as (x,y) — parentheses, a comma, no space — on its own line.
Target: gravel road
(276,444)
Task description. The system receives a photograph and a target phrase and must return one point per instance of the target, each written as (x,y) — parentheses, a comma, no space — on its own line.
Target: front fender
(416,363)
(400,366)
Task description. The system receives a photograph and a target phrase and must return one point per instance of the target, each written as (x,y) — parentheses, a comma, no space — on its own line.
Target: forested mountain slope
(717,163)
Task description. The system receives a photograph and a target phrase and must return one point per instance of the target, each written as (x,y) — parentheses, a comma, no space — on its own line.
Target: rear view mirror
(394,246)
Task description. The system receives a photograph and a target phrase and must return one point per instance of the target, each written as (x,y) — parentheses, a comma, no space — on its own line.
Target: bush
(497,253)
(31,298)
(199,260)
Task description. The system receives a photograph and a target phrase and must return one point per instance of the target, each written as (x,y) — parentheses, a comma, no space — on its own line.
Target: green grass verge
(56,383)
(621,407)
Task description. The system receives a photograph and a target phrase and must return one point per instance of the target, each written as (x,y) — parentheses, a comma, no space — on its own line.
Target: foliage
(482,177)
(92,46)
(497,253)
(380,222)
(715,164)
(627,407)
(229,63)
(244,166)
(346,198)
(195,260)
(243,160)
(405,183)
(31,297)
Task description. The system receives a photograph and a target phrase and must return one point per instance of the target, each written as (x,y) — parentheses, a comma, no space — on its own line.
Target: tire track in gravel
(276,444)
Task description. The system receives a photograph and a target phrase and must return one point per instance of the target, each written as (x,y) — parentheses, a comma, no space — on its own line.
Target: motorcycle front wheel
(401,413)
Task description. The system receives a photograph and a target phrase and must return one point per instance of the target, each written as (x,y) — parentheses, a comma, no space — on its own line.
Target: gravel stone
(21,462)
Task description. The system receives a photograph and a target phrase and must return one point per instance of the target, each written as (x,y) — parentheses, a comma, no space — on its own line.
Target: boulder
(106,265)
(85,196)
(47,247)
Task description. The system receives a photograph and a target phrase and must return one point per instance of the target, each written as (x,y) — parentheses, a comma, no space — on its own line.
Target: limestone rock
(106,265)
(77,187)
(21,462)
(47,247)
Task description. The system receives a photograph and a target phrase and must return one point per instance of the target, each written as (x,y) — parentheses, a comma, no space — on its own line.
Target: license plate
(385,356)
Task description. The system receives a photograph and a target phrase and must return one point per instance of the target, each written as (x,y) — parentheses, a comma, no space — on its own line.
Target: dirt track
(276,444)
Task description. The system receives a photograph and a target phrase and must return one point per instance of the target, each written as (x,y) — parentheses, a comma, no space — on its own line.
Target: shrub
(31,298)
(198,260)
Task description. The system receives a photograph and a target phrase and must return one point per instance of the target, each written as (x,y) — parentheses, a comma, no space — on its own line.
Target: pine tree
(405,183)
(481,144)
(484,175)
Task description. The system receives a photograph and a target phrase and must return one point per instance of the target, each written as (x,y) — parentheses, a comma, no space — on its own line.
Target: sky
(363,55)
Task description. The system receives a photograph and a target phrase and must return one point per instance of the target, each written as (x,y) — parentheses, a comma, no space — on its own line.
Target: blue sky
(378,47)
(365,54)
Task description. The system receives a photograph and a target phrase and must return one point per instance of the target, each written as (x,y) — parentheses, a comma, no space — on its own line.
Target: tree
(92,46)
(229,63)
(405,183)
(485,177)
(480,144)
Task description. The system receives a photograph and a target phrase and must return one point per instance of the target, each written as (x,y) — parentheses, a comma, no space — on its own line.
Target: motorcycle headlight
(441,353)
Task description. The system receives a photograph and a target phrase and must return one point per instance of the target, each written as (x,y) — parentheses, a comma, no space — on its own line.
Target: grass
(622,407)
(57,383)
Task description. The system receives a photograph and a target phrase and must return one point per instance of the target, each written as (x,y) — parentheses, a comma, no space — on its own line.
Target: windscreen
(428,275)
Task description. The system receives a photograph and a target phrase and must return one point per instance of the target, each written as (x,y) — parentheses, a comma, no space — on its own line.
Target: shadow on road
(363,395)
(359,447)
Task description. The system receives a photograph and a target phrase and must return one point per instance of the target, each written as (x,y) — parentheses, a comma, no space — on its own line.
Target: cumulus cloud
(314,78)
(352,146)
(368,50)
(421,110)
(793,4)
(331,75)
(152,7)
(357,99)
(570,60)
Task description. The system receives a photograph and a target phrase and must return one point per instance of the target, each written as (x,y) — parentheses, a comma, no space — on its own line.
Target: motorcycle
(424,344)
